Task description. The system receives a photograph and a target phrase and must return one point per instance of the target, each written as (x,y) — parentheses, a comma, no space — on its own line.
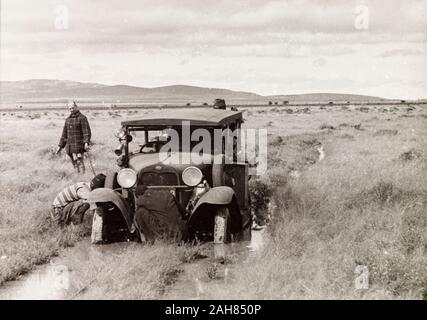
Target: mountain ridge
(48,89)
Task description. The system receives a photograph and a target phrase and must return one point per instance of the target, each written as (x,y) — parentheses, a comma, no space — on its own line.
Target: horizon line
(218,88)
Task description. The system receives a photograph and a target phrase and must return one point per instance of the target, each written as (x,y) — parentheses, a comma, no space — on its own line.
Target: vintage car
(211,194)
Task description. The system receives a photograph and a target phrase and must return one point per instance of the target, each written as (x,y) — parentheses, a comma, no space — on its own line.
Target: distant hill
(41,90)
(323,97)
(37,90)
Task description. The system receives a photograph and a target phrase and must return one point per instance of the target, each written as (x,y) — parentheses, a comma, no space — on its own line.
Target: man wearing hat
(70,206)
(75,137)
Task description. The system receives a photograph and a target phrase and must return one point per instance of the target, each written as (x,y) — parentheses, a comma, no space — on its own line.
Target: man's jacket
(70,194)
(76,133)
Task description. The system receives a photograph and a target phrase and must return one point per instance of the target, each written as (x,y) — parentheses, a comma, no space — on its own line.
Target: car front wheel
(98,227)
(222,230)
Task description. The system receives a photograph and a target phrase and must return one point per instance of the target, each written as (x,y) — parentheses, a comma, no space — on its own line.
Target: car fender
(101,195)
(218,195)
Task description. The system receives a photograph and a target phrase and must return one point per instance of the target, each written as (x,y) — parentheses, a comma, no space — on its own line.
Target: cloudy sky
(268,47)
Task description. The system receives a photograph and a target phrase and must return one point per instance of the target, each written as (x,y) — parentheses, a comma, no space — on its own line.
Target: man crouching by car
(69,205)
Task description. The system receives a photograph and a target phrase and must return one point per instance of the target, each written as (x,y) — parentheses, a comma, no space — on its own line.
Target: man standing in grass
(69,205)
(75,137)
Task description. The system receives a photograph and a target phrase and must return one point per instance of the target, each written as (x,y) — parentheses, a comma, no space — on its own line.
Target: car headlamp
(126,178)
(120,133)
(192,176)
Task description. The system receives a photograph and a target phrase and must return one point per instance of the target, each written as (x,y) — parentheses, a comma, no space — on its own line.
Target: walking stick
(90,163)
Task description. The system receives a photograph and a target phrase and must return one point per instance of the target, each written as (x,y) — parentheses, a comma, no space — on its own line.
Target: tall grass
(31,176)
(364,204)
(139,272)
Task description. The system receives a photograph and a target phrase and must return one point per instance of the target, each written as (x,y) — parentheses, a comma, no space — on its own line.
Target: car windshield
(158,138)
(140,143)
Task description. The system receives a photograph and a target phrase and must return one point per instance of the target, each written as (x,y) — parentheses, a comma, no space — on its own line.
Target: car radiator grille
(159,179)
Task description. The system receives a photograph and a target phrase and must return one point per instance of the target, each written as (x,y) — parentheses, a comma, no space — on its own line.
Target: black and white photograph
(196,151)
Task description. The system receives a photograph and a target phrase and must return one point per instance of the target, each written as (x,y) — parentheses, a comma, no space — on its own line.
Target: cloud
(402,52)
(241,44)
(150,25)
(133,18)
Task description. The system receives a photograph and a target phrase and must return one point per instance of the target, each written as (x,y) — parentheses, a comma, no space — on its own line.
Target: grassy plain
(362,204)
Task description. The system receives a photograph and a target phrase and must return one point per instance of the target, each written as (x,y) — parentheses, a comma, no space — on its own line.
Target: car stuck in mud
(175,180)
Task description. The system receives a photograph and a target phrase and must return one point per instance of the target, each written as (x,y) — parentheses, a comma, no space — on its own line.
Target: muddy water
(215,271)
(47,282)
(55,280)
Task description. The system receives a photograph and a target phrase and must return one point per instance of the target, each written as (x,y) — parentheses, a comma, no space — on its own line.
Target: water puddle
(45,282)
(54,281)
(203,275)
(258,241)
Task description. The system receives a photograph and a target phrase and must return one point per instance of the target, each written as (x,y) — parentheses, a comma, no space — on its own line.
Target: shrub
(190,254)
(386,132)
(212,271)
(35,116)
(277,141)
(346,136)
(260,198)
(327,126)
(381,194)
(410,155)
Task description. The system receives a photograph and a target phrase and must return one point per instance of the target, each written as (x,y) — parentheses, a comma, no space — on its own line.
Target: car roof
(197,117)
